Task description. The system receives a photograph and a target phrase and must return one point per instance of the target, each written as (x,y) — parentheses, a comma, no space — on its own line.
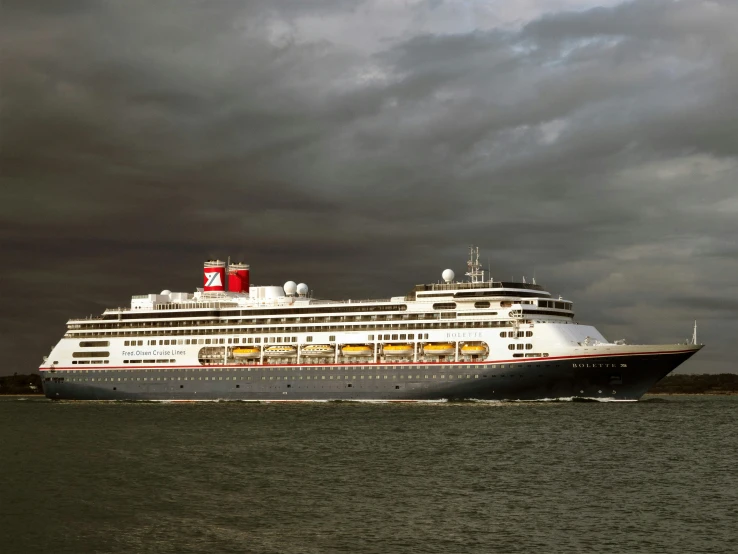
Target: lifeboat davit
(397,350)
(439,349)
(474,349)
(285,350)
(357,350)
(246,352)
(317,350)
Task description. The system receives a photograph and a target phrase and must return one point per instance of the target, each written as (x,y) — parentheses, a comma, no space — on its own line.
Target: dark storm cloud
(596,149)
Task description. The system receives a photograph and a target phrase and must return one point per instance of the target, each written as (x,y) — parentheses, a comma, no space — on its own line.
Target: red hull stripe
(513,361)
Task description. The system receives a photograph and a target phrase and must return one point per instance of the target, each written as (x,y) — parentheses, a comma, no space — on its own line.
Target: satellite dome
(302,289)
(290,287)
(448,275)
(166,292)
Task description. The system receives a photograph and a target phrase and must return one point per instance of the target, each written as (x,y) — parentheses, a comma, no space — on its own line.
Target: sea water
(658,475)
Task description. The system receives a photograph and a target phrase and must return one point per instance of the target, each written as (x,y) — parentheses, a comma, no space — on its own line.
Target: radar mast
(474,268)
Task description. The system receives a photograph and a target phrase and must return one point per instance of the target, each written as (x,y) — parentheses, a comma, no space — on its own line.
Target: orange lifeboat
(479,349)
(317,350)
(357,350)
(246,352)
(439,349)
(397,350)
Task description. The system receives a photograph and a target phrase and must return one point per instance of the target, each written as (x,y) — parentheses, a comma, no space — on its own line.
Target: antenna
(694,333)
(475,271)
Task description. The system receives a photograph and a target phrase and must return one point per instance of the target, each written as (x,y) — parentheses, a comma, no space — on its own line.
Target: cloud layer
(360,146)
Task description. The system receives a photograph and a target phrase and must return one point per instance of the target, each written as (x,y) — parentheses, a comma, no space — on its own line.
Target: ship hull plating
(619,377)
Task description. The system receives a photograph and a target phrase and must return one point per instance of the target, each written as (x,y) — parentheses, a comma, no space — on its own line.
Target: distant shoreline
(714,393)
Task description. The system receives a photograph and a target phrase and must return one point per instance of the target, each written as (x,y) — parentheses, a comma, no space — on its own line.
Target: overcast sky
(361,146)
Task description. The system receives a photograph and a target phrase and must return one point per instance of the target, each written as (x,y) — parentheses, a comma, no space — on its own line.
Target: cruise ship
(469,339)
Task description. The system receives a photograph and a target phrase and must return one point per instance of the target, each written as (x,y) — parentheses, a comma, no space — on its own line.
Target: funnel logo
(213,279)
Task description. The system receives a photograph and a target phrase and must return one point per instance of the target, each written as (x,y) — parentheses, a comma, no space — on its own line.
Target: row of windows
(290,369)
(88,362)
(283,377)
(530,312)
(257,340)
(171,361)
(399,336)
(275,329)
(91,354)
(509,303)
(557,305)
(94,343)
(263,312)
(270,378)
(519,346)
(182,322)
(516,334)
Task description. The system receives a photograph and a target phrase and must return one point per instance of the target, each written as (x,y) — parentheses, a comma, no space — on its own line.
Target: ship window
(90,343)
(309,339)
(521,346)
(481,304)
(511,347)
(394,337)
(529,346)
(93,354)
(332,338)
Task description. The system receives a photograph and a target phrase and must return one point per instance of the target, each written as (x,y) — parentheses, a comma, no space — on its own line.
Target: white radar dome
(290,287)
(302,289)
(448,275)
(166,292)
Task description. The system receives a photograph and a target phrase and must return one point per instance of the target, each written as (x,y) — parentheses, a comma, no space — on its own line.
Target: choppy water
(654,476)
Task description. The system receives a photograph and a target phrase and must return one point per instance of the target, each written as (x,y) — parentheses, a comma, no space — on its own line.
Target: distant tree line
(715,383)
(21,384)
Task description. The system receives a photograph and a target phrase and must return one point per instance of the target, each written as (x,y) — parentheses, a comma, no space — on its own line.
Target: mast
(694,333)
(474,268)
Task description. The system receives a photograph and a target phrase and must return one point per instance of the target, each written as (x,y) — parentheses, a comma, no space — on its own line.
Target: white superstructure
(476,329)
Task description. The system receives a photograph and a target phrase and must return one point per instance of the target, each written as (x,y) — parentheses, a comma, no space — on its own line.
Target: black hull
(620,377)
